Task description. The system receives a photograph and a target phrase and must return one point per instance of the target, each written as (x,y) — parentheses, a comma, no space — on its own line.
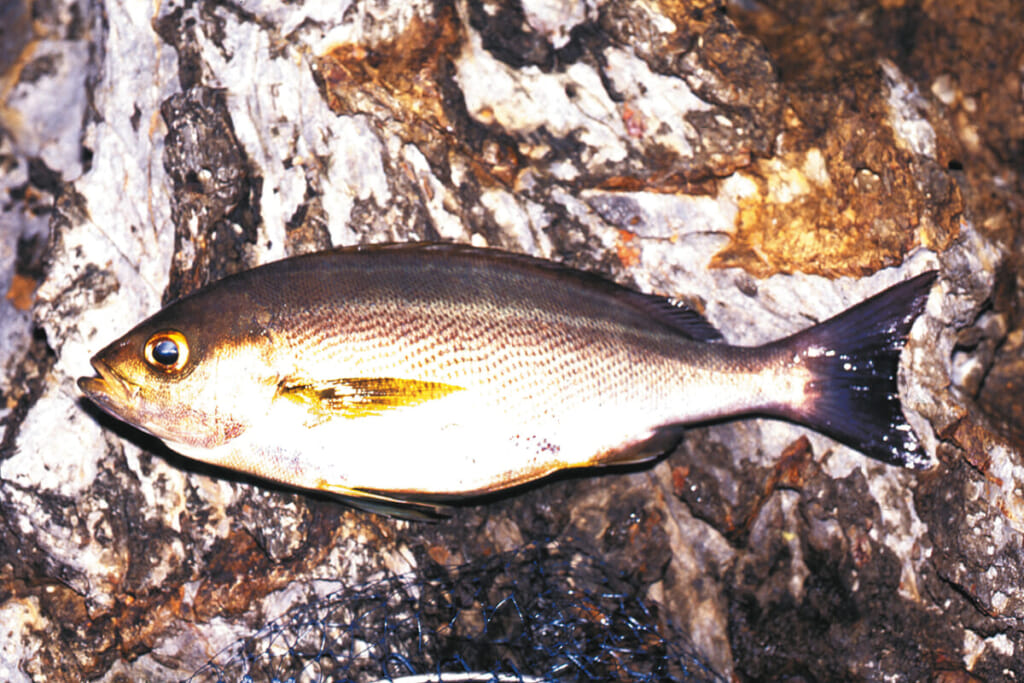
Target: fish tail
(854,360)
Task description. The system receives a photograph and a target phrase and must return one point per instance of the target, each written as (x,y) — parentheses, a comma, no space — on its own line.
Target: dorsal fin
(671,312)
(677,315)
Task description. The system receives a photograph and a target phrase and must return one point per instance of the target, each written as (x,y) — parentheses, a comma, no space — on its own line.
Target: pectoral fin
(380,504)
(356,397)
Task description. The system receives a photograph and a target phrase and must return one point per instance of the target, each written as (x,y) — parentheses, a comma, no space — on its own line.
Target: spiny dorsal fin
(355,397)
(671,312)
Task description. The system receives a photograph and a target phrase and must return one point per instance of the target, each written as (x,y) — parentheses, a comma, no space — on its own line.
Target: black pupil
(165,352)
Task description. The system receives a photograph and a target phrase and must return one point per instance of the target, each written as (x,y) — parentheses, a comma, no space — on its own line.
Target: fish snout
(108,390)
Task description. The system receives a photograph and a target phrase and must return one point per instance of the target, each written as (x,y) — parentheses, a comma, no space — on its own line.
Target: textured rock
(764,169)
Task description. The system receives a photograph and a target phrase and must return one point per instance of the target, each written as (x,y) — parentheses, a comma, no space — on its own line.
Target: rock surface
(771,171)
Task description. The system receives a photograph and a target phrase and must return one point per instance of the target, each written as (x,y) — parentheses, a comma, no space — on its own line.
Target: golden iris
(167,351)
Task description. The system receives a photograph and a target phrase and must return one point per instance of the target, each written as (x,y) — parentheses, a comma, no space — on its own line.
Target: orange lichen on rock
(659,182)
(627,249)
(402,75)
(22,291)
(406,84)
(881,199)
(633,119)
(850,207)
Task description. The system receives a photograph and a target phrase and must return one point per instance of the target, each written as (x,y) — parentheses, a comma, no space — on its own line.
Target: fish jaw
(114,394)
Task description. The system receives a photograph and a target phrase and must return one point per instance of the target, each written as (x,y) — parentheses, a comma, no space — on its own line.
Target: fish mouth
(110,391)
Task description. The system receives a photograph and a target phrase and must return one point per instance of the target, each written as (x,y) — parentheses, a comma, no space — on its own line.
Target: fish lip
(110,391)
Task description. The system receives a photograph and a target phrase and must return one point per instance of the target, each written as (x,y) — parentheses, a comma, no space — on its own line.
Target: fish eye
(167,351)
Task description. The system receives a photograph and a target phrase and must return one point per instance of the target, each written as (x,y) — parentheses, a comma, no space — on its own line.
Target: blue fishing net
(532,615)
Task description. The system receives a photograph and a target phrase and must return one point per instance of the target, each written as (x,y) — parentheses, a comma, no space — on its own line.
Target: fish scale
(482,351)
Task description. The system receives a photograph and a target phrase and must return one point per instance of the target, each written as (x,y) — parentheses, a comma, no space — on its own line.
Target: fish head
(195,375)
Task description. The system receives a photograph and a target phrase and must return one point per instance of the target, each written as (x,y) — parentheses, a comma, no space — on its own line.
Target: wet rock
(213,191)
(769,166)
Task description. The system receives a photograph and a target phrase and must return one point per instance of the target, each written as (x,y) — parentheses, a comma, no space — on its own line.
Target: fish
(403,376)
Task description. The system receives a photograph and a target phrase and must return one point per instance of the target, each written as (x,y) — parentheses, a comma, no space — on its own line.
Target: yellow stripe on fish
(359,397)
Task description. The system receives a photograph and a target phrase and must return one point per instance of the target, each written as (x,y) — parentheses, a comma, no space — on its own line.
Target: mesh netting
(533,615)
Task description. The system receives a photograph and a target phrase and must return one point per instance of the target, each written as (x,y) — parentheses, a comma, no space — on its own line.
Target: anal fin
(660,442)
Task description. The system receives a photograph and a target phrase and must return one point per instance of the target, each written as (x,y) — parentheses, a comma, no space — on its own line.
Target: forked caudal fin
(854,361)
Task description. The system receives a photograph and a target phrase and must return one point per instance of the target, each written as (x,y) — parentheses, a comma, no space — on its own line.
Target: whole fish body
(398,373)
